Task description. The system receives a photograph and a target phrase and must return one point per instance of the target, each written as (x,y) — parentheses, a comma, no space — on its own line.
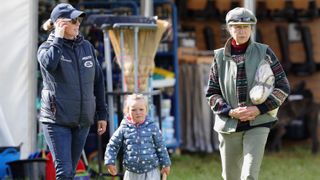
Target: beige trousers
(242,153)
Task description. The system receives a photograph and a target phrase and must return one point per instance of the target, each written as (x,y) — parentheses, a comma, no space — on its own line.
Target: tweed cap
(240,15)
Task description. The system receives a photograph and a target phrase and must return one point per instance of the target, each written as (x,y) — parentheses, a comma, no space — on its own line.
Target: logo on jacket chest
(88,63)
(86,58)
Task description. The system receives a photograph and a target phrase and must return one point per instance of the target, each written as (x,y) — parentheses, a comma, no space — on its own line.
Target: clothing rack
(193,55)
(197,119)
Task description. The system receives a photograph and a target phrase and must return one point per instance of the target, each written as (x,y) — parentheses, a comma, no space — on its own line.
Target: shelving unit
(168,59)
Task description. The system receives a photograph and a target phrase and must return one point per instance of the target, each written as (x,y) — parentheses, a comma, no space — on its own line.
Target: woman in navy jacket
(73,89)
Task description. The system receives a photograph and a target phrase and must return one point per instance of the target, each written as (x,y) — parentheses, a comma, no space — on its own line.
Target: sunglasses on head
(243,19)
(78,19)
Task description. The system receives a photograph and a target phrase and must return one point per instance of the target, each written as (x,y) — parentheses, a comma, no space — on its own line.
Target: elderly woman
(243,127)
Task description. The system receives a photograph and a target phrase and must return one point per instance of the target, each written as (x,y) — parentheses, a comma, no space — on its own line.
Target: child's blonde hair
(134,97)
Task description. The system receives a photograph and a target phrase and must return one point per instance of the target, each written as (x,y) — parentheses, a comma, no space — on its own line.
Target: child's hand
(165,170)
(112,169)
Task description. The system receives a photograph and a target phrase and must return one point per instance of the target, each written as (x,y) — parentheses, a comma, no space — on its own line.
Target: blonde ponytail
(48,25)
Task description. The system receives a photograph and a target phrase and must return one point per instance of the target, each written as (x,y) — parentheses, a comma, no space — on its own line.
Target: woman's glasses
(78,19)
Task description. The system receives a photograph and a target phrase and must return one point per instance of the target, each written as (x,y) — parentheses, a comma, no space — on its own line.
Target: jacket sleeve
(281,87)
(214,95)
(49,55)
(99,92)
(161,149)
(113,147)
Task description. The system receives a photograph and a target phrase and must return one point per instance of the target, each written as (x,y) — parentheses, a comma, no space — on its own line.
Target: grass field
(294,162)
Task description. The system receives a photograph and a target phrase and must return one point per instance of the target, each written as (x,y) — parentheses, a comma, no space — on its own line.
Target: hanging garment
(196,116)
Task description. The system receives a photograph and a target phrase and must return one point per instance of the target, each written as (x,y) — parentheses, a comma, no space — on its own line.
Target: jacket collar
(227,47)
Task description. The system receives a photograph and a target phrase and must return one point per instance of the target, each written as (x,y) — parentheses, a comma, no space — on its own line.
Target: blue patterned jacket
(143,147)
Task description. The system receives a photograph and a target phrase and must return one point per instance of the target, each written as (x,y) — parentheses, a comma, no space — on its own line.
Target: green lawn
(294,162)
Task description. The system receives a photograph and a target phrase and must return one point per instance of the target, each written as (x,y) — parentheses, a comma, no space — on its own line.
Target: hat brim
(76,14)
(240,23)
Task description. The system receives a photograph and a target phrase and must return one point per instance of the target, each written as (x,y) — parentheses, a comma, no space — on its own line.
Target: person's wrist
(231,113)
(257,111)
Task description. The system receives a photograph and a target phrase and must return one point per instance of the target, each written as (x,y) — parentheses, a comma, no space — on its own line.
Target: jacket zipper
(139,149)
(79,77)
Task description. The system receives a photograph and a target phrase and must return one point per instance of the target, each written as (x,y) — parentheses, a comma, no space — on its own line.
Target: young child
(143,147)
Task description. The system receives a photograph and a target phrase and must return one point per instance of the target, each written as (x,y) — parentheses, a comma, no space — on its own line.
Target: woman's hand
(112,169)
(246,113)
(101,127)
(60,26)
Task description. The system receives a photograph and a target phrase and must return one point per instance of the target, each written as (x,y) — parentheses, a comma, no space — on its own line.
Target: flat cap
(240,15)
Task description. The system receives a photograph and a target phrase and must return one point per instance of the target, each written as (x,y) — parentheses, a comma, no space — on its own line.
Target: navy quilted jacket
(73,85)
